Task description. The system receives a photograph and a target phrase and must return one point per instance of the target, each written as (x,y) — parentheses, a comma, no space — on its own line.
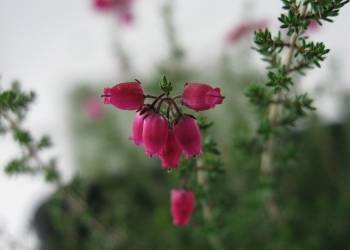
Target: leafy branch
(285,54)
(14,105)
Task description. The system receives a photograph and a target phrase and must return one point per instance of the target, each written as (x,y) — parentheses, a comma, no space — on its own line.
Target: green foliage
(325,9)
(16,166)
(44,142)
(280,107)
(22,136)
(14,103)
(286,55)
(279,80)
(296,108)
(14,99)
(258,95)
(166,85)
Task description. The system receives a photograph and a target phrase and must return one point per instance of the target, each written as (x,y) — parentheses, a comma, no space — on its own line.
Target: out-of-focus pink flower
(103,4)
(137,128)
(245,29)
(171,152)
(188,136)
(111,4)
(93,108)
(155,133)
(127,96)
(126,17)
(201,96)
(313,27)
(182,205)
(123,8)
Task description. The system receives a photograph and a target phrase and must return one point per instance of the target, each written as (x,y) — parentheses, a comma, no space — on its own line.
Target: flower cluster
(121,7)
(162,128)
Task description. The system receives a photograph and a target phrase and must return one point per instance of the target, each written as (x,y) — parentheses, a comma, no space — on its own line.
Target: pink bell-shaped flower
(201,96)
(171,152)
(187,134)
(182,205)
(137,128)
(127,96)
(155,133)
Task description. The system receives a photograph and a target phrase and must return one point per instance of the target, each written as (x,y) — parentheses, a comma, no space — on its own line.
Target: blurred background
(68,51)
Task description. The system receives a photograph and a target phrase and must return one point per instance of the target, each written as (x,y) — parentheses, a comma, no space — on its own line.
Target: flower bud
(182,205)
(187,134)
(137,128)
(201,96)
(155,133)
(127,96)
(171,152)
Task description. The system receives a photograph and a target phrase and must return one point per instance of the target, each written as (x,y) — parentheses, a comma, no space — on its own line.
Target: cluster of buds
(161,127)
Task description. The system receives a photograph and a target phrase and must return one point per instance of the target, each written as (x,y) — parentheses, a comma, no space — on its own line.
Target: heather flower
(313,27)
(155,133)
(103,4)
(137,128)
(127,96)
(93,108)
(182,205)
(245,29)
(188,136)
(171,152)
(121,7)
(201,96)
(126,16)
